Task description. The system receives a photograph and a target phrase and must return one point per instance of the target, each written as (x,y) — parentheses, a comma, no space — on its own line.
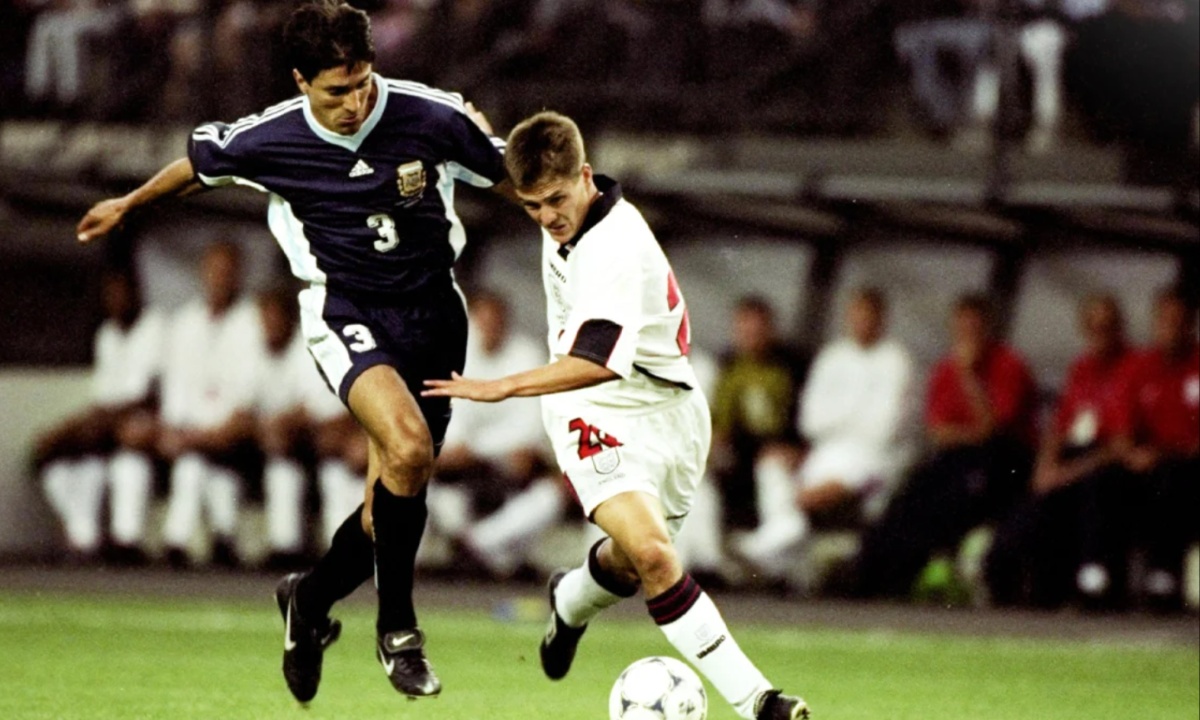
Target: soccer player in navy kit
(361,173)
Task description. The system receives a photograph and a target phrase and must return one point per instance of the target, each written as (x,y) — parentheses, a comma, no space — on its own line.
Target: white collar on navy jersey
(351,142)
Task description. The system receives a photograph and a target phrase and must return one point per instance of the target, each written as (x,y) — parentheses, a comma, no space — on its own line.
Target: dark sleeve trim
(596,341)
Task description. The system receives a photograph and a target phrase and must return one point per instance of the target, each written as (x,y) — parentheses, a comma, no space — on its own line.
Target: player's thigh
(641,540)
(389,412)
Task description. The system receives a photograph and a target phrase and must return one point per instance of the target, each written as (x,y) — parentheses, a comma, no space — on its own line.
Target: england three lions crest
(410,181)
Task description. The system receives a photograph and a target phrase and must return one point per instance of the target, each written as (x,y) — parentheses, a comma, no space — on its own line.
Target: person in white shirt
(209,393)
(856,410)
(105,447)
(294,405)
(495,455)
(621,405)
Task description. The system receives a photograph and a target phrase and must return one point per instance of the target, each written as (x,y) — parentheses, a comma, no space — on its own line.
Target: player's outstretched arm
(175,180)
(568,373)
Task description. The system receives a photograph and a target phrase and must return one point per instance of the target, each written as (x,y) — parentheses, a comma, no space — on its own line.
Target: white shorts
(660,450)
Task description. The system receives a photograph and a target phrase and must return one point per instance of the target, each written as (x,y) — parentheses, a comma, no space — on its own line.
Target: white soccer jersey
(493,430)
(127,362)
(289,379)
(612,298)
(211,368)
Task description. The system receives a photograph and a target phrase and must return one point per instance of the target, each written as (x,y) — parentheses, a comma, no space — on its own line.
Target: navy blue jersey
(369,213)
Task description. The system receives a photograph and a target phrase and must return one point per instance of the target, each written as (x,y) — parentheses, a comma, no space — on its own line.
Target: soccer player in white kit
(629,426)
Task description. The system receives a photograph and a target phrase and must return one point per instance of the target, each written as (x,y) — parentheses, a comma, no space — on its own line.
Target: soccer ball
(658,688)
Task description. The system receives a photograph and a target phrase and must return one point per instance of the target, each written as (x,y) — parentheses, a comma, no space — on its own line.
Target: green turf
(116,659)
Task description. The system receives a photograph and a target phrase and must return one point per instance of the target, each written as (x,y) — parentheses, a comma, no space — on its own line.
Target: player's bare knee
(655,560)
(407,464)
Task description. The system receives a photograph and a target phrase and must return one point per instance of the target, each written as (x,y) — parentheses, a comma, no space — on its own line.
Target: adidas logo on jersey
(361,168)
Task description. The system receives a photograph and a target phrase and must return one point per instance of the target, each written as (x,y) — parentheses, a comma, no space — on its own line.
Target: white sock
(580,597)
(986,94)
(449,509)
(341,492)
(129,476)
(223,495)
(702,638)
(776,491)
(56,483)
(86,500)
(283,496)
(183,506)
(521,520)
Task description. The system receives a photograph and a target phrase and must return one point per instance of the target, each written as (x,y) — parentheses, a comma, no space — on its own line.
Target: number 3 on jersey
(683,338)
(386,227)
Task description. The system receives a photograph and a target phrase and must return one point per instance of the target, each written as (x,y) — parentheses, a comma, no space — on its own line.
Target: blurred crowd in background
(1098,69)
(845,473)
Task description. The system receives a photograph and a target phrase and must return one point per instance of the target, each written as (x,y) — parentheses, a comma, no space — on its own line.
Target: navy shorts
(422,339)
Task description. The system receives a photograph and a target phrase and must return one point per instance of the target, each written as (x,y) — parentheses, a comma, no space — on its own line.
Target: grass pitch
(118,659)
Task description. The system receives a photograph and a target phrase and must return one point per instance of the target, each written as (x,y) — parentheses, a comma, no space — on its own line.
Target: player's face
(340,97)
(560,205)
(1170,324)
(865,321)
(1102,326)
(117,297)
(277,324)
(753,331)
(492,323)
(219,273)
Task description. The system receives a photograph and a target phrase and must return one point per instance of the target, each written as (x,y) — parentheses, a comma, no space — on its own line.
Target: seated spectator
(1059,542)
(56,58)
(494,456)
(1160,438)
(938,28)
(856,415)
(208,397)
(754,444)
(980,419)
(294,405)
(1041,41)
(106,446)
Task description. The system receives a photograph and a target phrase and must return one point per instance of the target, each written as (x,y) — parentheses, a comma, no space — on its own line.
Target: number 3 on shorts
(386,227)
(361,335)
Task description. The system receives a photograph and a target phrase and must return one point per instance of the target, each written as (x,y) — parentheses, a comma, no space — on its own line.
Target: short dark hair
(757,305)
(327,34)
(976,303)
(544,147)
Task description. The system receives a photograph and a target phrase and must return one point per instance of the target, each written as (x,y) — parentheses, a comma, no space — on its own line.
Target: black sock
(399,524)
(349,562)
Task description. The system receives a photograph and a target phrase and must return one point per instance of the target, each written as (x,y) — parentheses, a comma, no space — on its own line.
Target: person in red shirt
(1160,444)
(1058,537)
(981,425)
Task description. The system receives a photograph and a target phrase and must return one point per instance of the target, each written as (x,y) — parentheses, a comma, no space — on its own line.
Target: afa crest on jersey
(410,181)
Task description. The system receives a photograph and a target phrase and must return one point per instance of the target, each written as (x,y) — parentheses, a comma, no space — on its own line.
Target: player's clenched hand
(480,119)
(103,218)
(461,387)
